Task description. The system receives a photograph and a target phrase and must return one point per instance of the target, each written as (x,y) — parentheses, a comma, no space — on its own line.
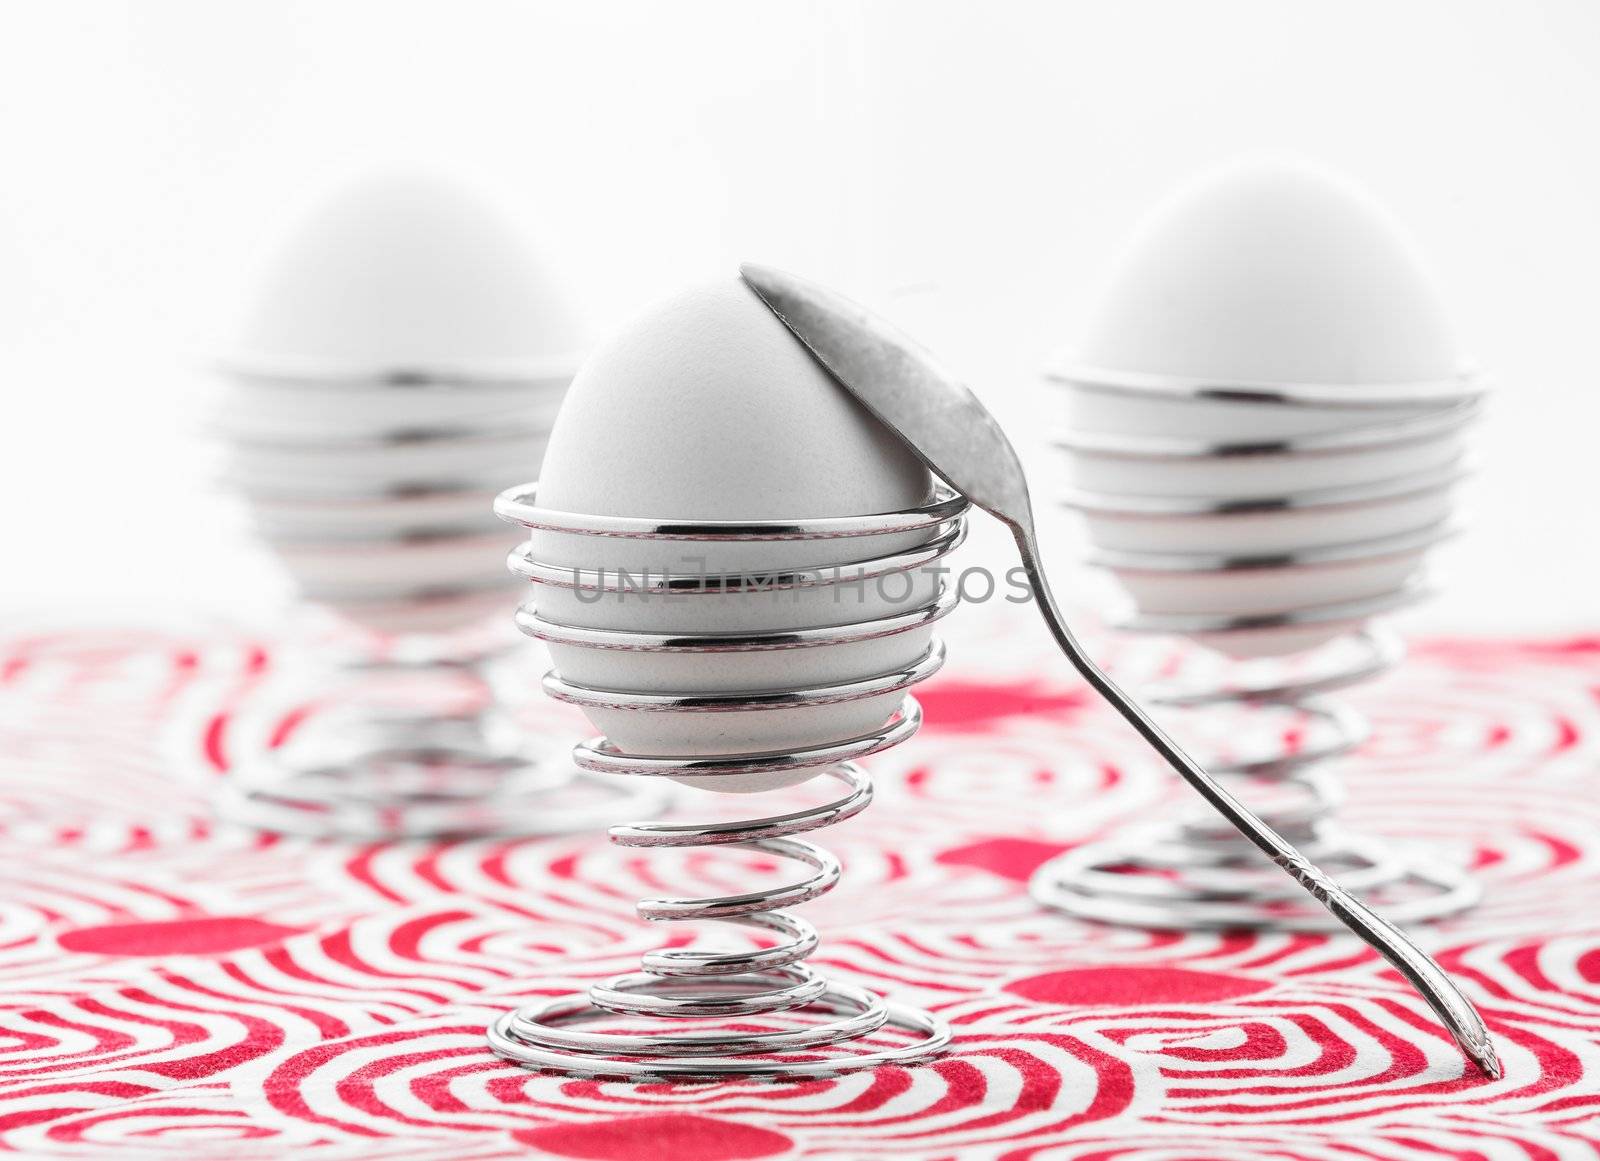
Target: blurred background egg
(409,268)
(706,408)
(403,356)
(1269,272)
(1263,275)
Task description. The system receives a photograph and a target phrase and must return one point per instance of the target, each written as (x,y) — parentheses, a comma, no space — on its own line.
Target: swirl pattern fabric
(171,987)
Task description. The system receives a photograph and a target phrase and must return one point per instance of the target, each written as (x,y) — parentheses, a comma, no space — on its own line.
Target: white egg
(314,411)
(1270,273)
(1153,415)
(1269,531)
(1253,644)
(408,270)
(1258,475)
(318,468)
(428,615)
(1262,591)
(385,568)
(1264,275)
(403,356)
(707,408)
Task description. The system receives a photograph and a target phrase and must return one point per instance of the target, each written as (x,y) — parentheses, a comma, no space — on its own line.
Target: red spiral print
(173,987)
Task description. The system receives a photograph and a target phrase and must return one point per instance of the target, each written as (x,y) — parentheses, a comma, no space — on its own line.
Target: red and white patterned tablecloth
(172,987)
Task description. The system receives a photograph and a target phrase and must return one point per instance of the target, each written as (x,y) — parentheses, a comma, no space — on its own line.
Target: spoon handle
(1448,1002)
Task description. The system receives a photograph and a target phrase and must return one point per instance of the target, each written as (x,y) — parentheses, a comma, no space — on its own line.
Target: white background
(971,166)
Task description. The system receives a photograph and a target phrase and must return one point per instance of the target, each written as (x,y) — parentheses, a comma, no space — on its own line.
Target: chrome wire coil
(378,772)
(1197,873)
(723,1011)
(372,487)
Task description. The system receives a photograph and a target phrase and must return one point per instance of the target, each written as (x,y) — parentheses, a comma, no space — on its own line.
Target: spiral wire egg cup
(742,986)
(397,774)
(1198,874)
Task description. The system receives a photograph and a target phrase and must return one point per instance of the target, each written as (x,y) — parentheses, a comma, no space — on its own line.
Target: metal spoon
(954,434)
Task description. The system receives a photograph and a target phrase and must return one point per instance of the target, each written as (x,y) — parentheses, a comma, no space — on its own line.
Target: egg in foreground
(706,408)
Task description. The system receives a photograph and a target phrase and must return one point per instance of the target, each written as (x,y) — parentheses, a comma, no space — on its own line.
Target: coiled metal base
(1198,874)
(372,485)
(391,773)
(1265,520)
(690,985)
(760,1011)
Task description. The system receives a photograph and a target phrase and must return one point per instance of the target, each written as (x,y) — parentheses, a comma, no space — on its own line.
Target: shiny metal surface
(376,775)
(1351,496)
(1343,613)
(519,505)
(1195,875)
(690,583)
(1364,437)
(791,1021)
(555,372)
(1461,387)
(951,430)
(1348,552)
(1199,875)
(366,543)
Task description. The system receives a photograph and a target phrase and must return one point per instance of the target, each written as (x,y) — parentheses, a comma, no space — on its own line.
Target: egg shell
(321,517)
(336,470)
(1280,530)
(334,449)
(854,599)
(1254,644)
(379,567)
(412,617)
(1258,475)
(743,671)
(340,553)
(1273,272)
(1263,274)
(1268,590)
(744,732)
(407,269)
(753,671)
(707,408)
(281,411)
(1165,416)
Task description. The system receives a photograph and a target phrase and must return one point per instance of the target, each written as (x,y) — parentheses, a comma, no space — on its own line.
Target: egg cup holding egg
(765,639)
(1267,505)
(386,384)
